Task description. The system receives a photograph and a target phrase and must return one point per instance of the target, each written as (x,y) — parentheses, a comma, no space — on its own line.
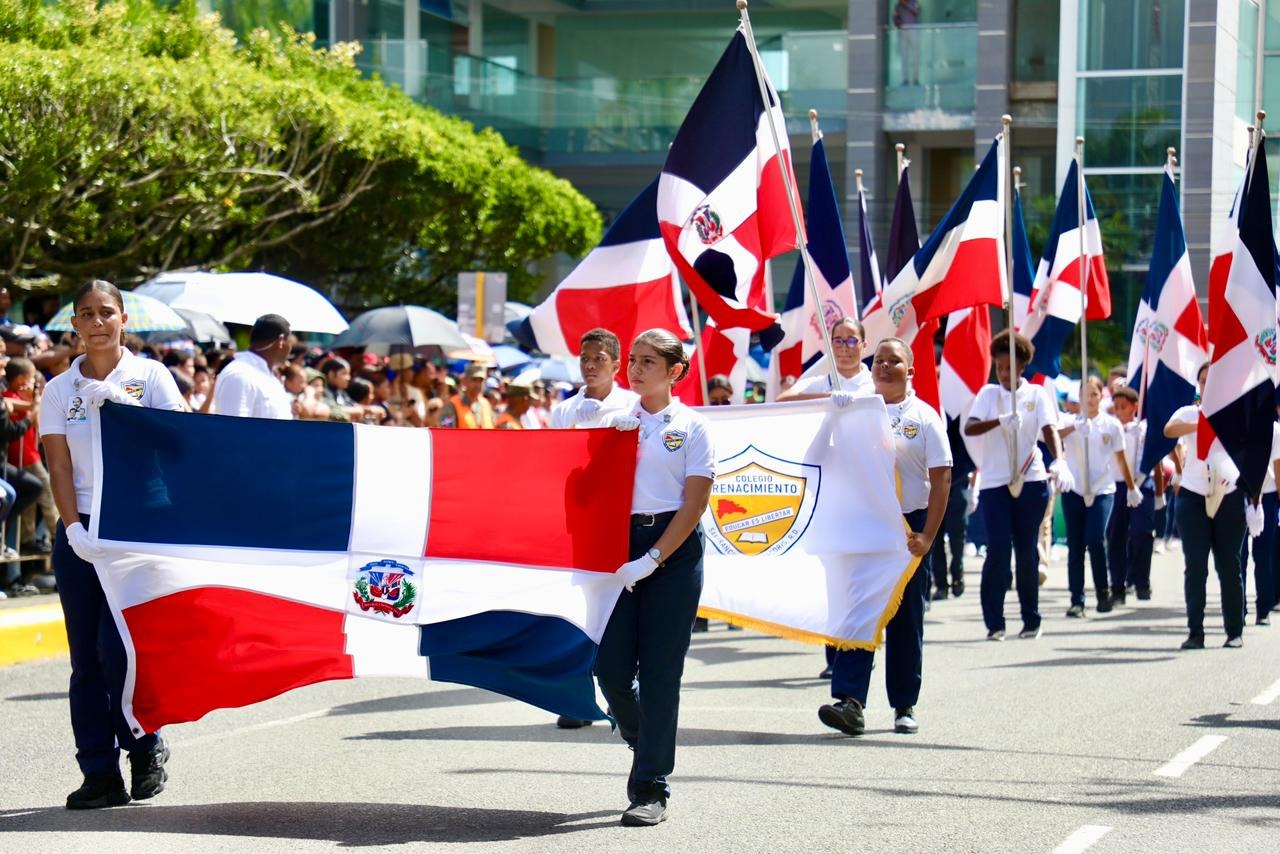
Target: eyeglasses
(851,341)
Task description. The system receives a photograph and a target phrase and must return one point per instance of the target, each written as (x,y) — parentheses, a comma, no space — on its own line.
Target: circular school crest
(760,504)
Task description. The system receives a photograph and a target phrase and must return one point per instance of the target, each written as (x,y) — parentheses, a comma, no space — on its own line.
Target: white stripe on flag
(384,648)
(393,490)
(620,264)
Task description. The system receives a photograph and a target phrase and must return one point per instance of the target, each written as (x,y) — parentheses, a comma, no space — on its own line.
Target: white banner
(804,534)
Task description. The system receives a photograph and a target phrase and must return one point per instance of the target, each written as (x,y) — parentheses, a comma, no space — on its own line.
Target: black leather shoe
(98,791)
(826,672)
(566,722)
(845,716)
(957,587)
(1104,604)
(146,771)
(1193,642)
(1118,596)
(1075,611)
(700,624)
(939,594)
(1144,594)
(645,813)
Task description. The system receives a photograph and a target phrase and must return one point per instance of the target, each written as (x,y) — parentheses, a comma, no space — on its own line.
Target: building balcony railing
(602,114)
(930,74)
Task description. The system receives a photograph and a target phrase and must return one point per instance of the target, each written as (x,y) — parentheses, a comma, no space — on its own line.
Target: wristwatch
(656,555)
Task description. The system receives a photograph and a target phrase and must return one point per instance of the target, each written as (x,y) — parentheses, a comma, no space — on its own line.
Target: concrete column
(865,145)
(412,50)
(475,27)
(1068,87)
(995,70)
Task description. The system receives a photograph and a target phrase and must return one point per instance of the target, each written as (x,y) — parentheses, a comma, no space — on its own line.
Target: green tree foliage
(136,138)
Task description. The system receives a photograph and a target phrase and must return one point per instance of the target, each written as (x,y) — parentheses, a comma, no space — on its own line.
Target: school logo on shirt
(673,440)
(910,431)
(134,388)
(760,504)
(77,412)
(383,587)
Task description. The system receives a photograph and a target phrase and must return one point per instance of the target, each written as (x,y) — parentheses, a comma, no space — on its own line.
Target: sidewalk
(31,629)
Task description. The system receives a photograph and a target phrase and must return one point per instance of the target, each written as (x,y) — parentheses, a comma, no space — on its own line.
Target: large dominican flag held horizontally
(627,284)
(351,551)
(1169,342)
(1054,305)
(1238,406)
(960,265)
(722,203)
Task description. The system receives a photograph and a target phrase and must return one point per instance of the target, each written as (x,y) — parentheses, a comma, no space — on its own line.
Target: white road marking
(1267,696)
(213,736)
(1082,839)
(1205,745)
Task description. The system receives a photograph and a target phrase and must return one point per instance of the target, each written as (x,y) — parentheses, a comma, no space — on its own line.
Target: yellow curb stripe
(31,634)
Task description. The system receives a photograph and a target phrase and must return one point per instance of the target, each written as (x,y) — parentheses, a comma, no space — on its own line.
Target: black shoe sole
(567,723)
(115,799)
(833,719)
(139,793)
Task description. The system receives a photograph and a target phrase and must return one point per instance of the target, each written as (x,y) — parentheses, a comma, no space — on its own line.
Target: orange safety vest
(467,418)
(507,421)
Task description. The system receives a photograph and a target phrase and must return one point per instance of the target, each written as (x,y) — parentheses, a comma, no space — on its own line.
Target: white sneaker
(970,550)
(3,595)
(904,721)
(7,553)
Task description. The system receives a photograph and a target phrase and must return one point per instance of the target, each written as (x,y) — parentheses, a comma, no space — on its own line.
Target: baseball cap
(475,369)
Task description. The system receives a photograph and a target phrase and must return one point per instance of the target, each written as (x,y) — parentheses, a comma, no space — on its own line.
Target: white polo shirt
(1269,485)
(66,414)
(567,414)
(675,444)
(1196,472)
(859,383)
(1038,411)
(920,441)
(1106,437)
(248,388)
(1135,442)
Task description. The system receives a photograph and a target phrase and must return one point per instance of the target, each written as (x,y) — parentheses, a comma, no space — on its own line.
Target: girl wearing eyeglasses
(847,344)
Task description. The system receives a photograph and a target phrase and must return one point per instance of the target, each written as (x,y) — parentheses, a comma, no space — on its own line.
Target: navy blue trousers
(98,664)
(1086,532)
(1013,528)
(952,531)
(641,657)
(1220,536)
(1131,538)
(1264,575)
(903,644)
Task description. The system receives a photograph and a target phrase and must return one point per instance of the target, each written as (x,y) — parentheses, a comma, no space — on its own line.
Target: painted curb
(31,634)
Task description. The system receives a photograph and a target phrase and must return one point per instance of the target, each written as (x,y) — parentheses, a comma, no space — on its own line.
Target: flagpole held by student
(642,652)
(106,372)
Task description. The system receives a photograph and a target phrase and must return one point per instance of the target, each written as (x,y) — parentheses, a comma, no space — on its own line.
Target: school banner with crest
(804,533)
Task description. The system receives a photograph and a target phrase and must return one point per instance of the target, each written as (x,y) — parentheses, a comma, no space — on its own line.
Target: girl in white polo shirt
(641,656)
(106,372)
(848,343)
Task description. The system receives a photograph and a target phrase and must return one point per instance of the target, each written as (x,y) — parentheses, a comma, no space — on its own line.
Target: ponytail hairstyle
(668,348)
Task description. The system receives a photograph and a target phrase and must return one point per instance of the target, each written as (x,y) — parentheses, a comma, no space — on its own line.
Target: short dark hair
(334,364)
(173,358)
(1024,350)
(360,390)
(605,339)
(101,286)
(267,329)
(18,367)
(291,371)
(720,381)
(1125,393)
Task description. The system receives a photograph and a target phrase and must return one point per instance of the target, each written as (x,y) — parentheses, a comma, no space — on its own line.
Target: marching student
(1131,530)
(641,655)
(1211,519)
(107,371)
(848,341)
(1013,522)
(1086,507)
(600,397)
(923,462)
(1264,544)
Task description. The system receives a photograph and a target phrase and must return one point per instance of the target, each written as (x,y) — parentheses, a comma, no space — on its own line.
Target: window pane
(1271,85)
(1126,206)
(1272,37)
(1130,121)
(1123,34)
(1035,40)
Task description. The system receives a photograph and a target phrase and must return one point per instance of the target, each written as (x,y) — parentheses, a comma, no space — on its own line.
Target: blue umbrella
(510,357)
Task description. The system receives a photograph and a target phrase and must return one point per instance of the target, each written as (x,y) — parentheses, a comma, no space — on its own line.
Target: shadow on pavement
(419,701)
(1079,660)
(807,683)
(347,824)
(1224,720)
(28,698)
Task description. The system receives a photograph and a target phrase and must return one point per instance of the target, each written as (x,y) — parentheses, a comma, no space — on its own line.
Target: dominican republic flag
(869,283)
(724,353)
(904,243)
(1169,341)
(627,284)
(722,203)
(1054,305)
(1043,364)
(354,551)
(960,265)
(966,359)
(1238,406)
(794,320)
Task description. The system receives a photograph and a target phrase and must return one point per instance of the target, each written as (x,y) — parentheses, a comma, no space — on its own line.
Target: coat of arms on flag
(384,587)
(760,504)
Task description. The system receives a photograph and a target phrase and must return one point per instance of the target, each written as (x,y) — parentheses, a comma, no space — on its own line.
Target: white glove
(1160,502)
(1134,497)
(588,409)
(85,546)
(1082,425)
(842,398)
(625,423)
(1062,475)
(636,570)
(1175,480)
(1011,420)
(973,501)
(1253,519)
(96,392)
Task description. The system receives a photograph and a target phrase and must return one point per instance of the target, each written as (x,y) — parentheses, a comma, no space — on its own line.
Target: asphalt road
(1024,746)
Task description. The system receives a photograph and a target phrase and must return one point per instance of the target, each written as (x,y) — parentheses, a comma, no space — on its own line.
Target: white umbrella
(244,297)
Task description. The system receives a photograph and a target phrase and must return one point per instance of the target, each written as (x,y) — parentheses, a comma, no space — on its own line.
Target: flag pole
(1084,307)
(1007,185)
(784,169)
(900,150)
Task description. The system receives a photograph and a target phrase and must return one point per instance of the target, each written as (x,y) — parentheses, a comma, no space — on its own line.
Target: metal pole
(1084,307)
(1006,184)
(791,192)
(900,150)
(857,179)
(697,347)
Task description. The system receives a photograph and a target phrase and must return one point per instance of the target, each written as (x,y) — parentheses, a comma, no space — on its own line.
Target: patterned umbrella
(146,314)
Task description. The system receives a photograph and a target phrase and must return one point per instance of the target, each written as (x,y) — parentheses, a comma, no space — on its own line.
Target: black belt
(648,520)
